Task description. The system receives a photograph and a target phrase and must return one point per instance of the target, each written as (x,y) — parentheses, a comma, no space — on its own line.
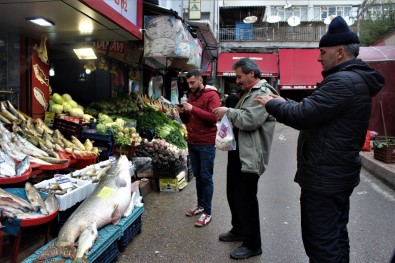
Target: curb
(383,171)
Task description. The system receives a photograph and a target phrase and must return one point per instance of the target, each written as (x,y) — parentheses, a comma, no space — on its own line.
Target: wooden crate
(385,154)
(69,128)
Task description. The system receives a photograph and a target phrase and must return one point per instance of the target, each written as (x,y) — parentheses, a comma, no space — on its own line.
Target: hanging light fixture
(51,71)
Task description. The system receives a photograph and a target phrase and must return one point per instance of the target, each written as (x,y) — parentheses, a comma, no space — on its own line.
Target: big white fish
(110,200)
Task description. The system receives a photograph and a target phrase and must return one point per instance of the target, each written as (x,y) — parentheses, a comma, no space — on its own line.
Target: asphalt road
(169,236)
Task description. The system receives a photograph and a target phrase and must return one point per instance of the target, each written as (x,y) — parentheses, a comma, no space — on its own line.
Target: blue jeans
(202,161)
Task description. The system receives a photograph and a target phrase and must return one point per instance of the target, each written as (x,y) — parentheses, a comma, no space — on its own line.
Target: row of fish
(111,200)
(32,141)
(12,206)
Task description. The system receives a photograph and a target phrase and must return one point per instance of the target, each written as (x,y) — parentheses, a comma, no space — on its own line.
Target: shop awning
(266,62)
(377,53)
(299,68)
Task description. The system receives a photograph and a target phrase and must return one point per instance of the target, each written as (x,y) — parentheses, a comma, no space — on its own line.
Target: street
(169,236)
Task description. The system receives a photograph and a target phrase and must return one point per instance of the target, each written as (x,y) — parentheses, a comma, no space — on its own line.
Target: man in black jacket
(333,122)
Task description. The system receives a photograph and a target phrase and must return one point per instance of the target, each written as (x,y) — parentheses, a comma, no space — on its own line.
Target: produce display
(65,104)
(147,117)
(163,154)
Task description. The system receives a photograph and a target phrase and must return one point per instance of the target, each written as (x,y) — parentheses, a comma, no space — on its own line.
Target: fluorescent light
(85,28)
(85,53)
(40,21)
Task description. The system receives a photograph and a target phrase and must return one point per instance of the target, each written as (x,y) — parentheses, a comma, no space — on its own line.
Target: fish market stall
(95,214)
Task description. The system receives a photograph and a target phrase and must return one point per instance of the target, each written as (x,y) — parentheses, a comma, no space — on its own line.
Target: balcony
(275,34)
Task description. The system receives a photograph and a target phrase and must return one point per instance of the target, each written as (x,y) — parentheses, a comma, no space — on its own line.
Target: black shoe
(230,237)
(244,252)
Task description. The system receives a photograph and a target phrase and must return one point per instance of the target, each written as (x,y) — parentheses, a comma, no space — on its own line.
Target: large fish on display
(110,200)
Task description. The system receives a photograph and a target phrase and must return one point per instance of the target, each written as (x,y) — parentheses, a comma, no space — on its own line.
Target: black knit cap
(338,34)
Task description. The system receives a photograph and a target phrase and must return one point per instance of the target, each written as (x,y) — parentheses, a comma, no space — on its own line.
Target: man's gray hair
(247,65)
(352,50)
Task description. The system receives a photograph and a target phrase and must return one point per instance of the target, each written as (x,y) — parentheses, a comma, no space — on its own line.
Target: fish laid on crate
(110,200)
(86,241)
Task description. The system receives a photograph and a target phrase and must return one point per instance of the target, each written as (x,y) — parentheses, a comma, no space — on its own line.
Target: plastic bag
(225,139)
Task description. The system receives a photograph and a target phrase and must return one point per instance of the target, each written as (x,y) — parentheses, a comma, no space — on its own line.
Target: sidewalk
(383,171)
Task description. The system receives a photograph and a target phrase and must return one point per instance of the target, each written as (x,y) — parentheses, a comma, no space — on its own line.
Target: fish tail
(49,252)
(66,251)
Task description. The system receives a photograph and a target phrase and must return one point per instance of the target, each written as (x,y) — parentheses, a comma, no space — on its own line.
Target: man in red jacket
(197,114)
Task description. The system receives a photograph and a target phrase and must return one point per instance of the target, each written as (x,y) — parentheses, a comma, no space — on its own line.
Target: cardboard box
(173,184)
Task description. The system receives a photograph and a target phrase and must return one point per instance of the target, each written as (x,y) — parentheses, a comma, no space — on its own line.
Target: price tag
(64,182)
(49,117)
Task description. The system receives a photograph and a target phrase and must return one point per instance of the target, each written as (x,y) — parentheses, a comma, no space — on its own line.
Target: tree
(376,19)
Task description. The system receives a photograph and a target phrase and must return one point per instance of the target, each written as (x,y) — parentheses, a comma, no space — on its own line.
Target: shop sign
(39,80)
(298,86)
(128,53)
(126,13)
(195,9)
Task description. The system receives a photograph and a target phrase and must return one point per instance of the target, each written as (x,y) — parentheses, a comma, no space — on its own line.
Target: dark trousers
(324,226)
(241,191)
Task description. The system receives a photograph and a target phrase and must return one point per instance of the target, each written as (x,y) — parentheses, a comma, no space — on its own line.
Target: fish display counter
(16,179)
(15,226)
(66,199)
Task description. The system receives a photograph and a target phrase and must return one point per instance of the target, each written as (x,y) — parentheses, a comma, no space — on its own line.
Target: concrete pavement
(383,171)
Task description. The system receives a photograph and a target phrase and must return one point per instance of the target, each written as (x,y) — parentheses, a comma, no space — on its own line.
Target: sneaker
(203,220)
(195,211)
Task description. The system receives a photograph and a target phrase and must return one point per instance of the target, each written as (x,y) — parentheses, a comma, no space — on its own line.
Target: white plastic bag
(225,139)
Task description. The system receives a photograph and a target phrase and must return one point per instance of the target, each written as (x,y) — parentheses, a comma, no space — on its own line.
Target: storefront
(268,64)
(299,72)
(71,25)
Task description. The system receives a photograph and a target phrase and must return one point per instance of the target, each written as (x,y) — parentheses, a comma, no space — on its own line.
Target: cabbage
(73,104)
(120,122)
(57,108)
(76,112)
(66,97)
(66,107)
(80,107)
(87,117)
(57,98)
(51,102)
(101,128)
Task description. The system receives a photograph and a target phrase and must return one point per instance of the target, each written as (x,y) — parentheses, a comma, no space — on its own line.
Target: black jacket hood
(372,77)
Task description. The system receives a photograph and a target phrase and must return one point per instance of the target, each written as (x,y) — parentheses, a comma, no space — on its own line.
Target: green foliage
(374,27)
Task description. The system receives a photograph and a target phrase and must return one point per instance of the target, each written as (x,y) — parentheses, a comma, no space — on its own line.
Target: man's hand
(187,106)
(265,98)
(180,108)
(220,112)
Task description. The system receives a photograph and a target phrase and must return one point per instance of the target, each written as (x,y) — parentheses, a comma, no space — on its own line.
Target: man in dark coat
(333,122)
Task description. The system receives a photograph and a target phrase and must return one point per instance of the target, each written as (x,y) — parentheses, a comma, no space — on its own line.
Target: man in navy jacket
(333,122)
